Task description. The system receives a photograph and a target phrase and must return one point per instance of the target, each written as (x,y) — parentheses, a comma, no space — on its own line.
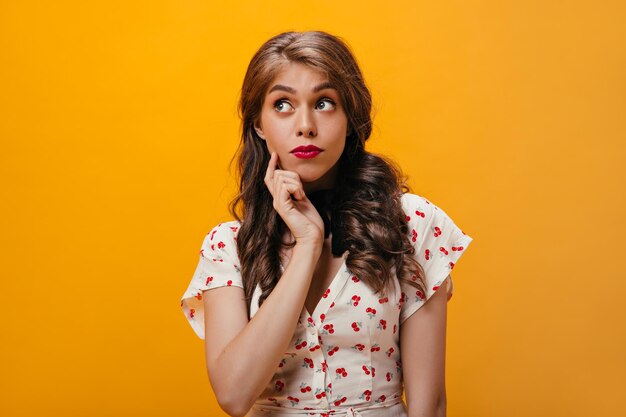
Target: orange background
(118,121)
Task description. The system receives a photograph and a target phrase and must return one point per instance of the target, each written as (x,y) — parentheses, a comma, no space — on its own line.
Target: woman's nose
(306,124)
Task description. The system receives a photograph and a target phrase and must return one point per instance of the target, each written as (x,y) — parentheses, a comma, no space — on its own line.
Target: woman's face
(301,108)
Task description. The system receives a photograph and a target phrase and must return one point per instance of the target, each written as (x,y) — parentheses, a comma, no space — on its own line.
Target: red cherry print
(451,264)
(199,295)
(282,363)
(324,366)
(229,282)
(355,279)
(382,398)
(383,300)
(383,323)
(420,294)
(373,372)
(375,348)
(208,280)
(359,346)
(310,320)
(309,362)
(221,245)
(388,376)
(414,235)
(419,213)
(279,385)
(408,218)
(427,254)
(366,370)
(201,252)
(191,312)
(326,293)
(212,247)
(322,317)
(394,328)
(390,351)
(442,249)
(212,234)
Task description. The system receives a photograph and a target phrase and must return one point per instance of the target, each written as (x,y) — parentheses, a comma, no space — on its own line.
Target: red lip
(307,148)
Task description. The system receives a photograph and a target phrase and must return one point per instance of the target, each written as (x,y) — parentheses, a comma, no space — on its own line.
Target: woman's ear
(258,129)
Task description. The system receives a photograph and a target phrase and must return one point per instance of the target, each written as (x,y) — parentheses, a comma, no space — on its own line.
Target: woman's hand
(299,214)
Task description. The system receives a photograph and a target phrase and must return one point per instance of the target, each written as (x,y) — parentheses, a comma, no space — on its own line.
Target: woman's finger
(269,172)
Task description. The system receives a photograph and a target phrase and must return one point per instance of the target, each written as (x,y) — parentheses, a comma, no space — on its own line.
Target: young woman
(321,298)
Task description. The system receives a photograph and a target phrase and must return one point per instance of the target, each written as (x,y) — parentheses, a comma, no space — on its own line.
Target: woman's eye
(327,107)
(280,106)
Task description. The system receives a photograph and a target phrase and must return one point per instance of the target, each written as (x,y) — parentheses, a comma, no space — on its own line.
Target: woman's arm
(423,351)
(241,355)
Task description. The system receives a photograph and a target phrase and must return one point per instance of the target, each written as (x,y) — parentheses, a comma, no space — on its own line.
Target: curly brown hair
(369,186)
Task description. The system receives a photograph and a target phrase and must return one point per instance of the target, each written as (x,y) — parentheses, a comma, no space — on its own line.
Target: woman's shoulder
(417,205)
(221,235)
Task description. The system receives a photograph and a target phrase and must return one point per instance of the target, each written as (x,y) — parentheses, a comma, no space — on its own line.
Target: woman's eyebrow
(322,86)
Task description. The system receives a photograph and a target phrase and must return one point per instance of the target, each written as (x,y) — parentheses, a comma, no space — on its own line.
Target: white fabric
(330,365)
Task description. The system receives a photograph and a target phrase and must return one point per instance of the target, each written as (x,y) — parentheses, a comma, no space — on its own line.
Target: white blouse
(344,357)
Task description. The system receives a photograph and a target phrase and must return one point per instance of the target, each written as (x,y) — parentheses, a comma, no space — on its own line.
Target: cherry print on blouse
(274,401)
(389,376)
(282,363)
(354,301)
(332,305)
(294,400)
(327,329)
(308,363)
(356,326)
(313,347)
(329,389)
(324,366)
(371,312)
(359,347)
(367,395)
(414,235)
(320,393)
(427,254)
(382,325)
(355,278)
(443,251)
(330,350)
(300,344)
(383,300)
(340,373)
(390,351)
(279,385)
(369,370)
(395,327)
(322,317)
(326,293)
(420,213)
(310,322)
(339,400)
(398,367)
(304,387)
(208,281)
(375,348)
(436,231)
(381,399)
(199,295)
(192,312)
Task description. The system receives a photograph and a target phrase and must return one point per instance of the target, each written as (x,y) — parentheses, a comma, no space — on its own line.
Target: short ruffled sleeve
(438,242)
(218,266)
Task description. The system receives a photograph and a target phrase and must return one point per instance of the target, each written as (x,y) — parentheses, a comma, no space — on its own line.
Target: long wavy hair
(369,186)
